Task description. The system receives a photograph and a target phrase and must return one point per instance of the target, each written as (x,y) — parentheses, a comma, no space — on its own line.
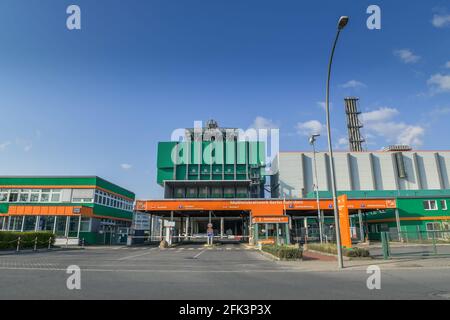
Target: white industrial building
(294,177)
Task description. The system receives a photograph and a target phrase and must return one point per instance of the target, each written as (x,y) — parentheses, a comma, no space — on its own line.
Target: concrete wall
(294,172)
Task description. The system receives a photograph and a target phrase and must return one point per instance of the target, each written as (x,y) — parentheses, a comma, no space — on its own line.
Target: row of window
(110,200)
(55,196)
(431,205)
(30,195)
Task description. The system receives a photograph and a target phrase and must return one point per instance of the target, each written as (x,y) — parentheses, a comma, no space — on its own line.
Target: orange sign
(259,208)
(344,221)
(283,219)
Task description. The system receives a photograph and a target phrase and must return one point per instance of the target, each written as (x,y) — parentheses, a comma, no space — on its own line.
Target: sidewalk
(42,250)
(317,262)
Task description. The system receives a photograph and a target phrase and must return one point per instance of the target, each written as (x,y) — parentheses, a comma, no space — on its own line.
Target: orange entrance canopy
(263,207)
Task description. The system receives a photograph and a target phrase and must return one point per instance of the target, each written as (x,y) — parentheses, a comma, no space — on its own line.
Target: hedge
(8,239)
(283,252)
(332,249)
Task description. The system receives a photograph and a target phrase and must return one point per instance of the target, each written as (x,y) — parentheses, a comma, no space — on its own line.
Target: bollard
(385,244)
(18,244)
(434,242)
(82,243)
(35,244)
(49,243)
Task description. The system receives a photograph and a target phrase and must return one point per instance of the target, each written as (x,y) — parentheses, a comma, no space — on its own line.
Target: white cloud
(381,123)
(263,123)
(4,145)
(126,166)
(382,114)
(439,82)
(406,56)
(353,84)
(441,20)
(342,143)
(310,127)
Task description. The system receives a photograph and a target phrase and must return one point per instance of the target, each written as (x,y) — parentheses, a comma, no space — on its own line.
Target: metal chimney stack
(355,139)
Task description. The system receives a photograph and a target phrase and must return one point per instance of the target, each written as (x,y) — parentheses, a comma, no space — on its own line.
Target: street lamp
(312,141)
(341,25)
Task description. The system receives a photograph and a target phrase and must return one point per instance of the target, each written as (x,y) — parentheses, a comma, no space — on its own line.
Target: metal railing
(19,244)
(414,243)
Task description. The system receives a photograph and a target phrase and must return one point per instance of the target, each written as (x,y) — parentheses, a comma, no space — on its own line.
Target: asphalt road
(193,272)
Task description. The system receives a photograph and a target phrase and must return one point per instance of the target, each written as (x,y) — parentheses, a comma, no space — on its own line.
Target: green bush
(357,253)
(283,252)
(8,239)
(332,249)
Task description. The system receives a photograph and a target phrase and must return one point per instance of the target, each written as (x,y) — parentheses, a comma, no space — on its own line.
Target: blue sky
(97,100)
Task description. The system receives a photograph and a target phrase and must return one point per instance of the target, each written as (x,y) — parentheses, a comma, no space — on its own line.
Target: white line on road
(198,254)
(134,256)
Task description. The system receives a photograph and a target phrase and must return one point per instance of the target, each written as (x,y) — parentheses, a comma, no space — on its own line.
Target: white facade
(294,175)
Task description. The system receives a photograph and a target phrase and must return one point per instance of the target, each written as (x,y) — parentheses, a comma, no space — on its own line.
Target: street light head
(312,138)
(343,21)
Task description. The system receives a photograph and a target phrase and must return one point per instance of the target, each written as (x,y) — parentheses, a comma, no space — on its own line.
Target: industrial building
(211,162)
(75,208)
(360,171)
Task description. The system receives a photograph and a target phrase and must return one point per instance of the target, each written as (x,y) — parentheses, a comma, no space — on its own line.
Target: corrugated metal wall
(361,171)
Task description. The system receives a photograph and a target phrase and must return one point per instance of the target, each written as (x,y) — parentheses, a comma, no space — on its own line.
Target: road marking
(198,254)
(134,256)
(190,248)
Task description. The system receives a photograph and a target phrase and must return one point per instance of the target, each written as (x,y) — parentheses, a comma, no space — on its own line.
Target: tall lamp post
(312,141)
(341,25)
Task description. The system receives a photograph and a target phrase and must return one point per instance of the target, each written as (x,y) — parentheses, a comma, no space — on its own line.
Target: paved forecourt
(229,271)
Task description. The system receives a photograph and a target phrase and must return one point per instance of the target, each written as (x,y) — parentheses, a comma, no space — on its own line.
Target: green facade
(6,181)
(72,182)
(209,160)
(415,220)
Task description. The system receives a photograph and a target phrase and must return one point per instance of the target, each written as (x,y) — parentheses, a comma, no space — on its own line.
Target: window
(14,196)
(3,196)
(34,197)
(45,197)
(56,195)
(24,196)
(430,205)
(443,204)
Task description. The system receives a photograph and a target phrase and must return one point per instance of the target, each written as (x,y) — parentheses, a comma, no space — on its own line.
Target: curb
(268,255)
(345,258)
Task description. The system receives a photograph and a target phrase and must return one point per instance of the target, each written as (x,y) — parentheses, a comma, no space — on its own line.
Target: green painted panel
(206,152)
(164,174)
(111,212)
(4,207)
(241,155)
(253,153)
(114,188)
(218,153)
(56,181)
(230,153)
(165,154)
(217,169)
(261,153)
(65,181)
(181,172)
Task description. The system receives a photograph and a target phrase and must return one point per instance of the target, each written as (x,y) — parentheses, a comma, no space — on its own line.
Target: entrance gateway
(253,221)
